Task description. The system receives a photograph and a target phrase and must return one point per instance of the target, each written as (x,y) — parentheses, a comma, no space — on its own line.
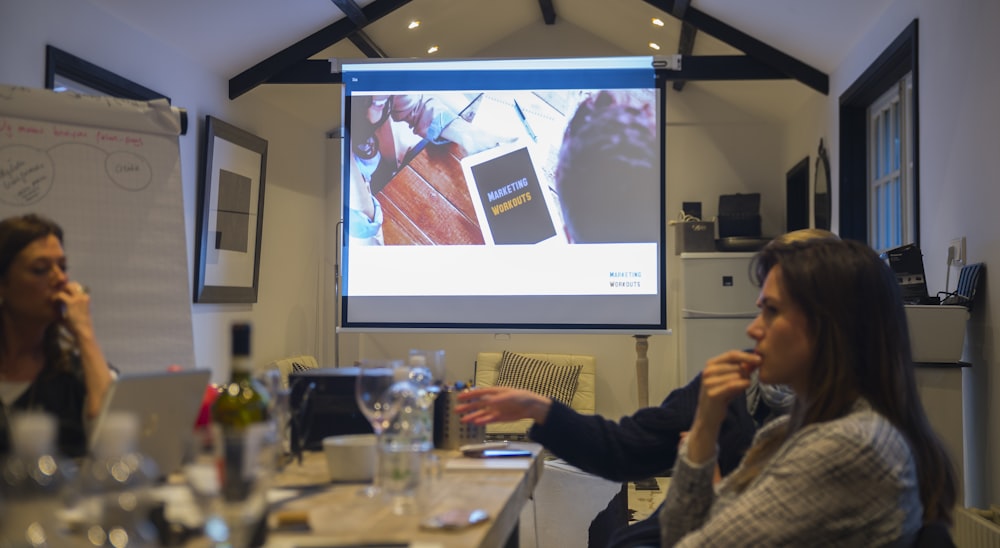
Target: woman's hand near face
(725,377)
(73,303)
(502,404)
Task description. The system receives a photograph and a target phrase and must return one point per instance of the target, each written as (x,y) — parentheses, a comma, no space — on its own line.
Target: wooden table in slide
(338,516)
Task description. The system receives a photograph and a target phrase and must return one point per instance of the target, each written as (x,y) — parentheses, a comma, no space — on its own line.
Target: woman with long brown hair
(49,356)
(855,462)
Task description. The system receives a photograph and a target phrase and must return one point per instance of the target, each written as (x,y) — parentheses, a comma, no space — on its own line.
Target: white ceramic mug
(350,457)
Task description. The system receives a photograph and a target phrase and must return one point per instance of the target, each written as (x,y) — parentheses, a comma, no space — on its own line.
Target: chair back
(969,280)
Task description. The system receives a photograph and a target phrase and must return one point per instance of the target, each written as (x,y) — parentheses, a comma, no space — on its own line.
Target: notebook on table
(167,406)
(512,200)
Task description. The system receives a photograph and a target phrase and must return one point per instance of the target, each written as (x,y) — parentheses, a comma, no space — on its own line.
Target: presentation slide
(538,183)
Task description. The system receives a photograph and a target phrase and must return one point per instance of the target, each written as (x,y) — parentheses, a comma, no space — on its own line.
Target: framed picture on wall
(230,214)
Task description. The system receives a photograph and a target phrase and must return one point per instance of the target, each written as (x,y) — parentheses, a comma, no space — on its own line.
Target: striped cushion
(548,379)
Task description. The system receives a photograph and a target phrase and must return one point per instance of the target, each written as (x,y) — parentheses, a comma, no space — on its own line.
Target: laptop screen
(907,262)
(166,405)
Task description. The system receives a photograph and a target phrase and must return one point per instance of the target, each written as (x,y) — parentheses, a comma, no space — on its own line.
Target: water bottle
(115,487)
(416,415)
(35,484)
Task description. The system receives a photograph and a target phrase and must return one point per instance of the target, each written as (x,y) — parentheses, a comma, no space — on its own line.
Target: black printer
(323,404)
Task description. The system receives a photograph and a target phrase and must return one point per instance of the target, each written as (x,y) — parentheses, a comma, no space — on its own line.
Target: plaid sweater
(847,482)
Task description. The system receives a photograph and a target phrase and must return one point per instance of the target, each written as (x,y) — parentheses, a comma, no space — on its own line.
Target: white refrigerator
(718,303)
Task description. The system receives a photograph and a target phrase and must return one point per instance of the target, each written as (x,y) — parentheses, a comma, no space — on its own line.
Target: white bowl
(350,457)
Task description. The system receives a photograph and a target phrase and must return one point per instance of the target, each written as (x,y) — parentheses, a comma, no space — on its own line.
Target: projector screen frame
(657,325)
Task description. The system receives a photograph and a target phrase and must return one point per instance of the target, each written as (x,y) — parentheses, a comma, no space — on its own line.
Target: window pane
(894,207)
(886,144)
(889,173)
(895,135)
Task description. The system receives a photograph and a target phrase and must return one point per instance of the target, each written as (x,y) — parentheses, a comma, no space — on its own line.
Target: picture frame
(230,214)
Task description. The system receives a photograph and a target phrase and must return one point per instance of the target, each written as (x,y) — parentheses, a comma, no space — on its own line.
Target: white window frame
(891,194)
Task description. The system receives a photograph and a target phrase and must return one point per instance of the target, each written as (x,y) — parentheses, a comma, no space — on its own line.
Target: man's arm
(636,447)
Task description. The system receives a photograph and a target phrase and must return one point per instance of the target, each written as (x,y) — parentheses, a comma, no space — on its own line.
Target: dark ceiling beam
(722,67)
(704,67)
(307,47)
(685,44)
(353,12)
(360,38)
(753,47)
(363,42)
(308,71)
(685,47)
(548,11)
(680,8)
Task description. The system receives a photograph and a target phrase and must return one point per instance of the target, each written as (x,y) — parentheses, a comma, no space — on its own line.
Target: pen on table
(520,114)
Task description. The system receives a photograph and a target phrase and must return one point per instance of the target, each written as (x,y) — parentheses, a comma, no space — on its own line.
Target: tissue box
(694,236)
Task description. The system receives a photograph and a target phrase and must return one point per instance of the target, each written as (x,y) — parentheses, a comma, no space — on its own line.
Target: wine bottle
(247,440)
(241,412)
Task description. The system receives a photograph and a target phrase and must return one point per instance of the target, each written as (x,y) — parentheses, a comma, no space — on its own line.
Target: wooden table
(338,515)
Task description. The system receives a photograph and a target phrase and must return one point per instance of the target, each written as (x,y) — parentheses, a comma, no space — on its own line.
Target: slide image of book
(512,205)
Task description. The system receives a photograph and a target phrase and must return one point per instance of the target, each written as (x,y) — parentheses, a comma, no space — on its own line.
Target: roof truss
(293,65)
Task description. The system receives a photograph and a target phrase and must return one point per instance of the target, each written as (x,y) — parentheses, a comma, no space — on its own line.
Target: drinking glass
(232,521)
(280,412)
(379,394)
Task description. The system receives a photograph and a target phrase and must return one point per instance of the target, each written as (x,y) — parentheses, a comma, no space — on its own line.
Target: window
(890,177)
(67,72)
(879,177)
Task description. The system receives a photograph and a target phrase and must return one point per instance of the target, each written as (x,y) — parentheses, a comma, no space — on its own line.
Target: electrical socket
(957,251)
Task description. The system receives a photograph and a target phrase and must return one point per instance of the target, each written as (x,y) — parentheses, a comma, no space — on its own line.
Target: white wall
(287,315)
(958,191)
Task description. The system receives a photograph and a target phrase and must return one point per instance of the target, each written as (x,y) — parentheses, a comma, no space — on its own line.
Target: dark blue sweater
(644,444)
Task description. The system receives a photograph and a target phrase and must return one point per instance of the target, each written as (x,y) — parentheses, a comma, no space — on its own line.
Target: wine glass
(379,396)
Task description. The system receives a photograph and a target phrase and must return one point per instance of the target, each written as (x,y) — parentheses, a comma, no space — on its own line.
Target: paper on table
(504,463)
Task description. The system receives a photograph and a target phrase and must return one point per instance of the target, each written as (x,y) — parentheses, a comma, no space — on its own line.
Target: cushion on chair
(548,379)
(293,364)
(488,369)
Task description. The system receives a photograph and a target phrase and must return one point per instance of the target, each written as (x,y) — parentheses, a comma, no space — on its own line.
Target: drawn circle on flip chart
(128,170)
(25,175)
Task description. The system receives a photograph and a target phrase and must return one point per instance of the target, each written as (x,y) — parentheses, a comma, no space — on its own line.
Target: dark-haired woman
(855,462)
(49,357)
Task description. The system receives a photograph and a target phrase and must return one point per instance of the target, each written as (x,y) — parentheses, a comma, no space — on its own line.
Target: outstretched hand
(502,404)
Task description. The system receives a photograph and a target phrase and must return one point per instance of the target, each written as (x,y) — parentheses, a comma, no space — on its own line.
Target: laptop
(907,262)
(167,405)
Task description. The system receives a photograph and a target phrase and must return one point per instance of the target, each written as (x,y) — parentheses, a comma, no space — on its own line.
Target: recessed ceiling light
(432,49)
(657,21)
(413,24)
(654,45)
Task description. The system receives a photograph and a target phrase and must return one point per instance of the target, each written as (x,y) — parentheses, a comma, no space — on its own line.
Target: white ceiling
(230,36)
